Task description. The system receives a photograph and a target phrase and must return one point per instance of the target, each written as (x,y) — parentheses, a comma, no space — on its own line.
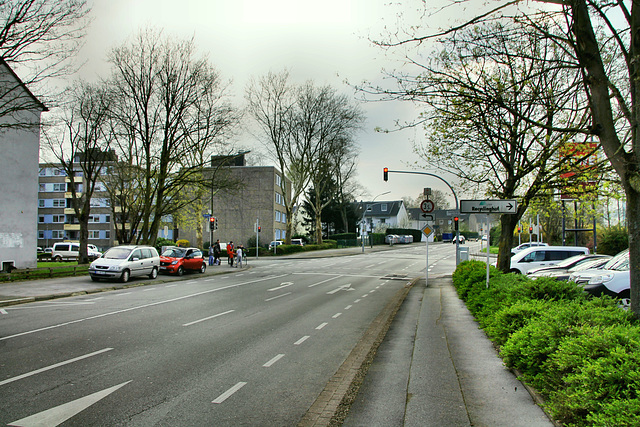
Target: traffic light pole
(385,176)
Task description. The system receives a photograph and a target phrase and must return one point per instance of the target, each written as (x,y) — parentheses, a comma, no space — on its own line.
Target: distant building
(57,221)
(20,146)
(257,196)
(380,215)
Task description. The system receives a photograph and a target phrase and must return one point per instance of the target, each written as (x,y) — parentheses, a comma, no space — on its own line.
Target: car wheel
(203,268)
(154,273)
(58,258)
(514,271)
(180,271)
(125,276)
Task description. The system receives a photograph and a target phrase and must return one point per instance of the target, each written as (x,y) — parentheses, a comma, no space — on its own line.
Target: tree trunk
(508,223)
(633,226)
(318,216)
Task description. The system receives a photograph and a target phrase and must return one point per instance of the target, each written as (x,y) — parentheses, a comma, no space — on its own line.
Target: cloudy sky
(325,41)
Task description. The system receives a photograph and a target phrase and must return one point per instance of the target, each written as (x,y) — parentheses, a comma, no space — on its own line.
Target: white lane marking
(58,303)
(57,365)
(3,311)
(208,318)
(321,325)
(341,275)
(272,361)
(335,316)
(282,286)
(365,295)
(56,416)
(348,307)
(227,394)
(372,291)
(98,316)
(301,340)
(324,281)
(124,293)
(357,301)
(370,266)
(346,287)
(150,289)
(17,299)
(171,286)
(209,280)
(278,296)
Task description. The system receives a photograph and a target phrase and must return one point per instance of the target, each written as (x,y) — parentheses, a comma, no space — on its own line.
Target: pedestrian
(212,260)
(239,256)
(216,253)
(230,252)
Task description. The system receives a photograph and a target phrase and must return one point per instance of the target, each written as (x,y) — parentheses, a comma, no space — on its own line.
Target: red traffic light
(455,222)
(259,229)
(385,174)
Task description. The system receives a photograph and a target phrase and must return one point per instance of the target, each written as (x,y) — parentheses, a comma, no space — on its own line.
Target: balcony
(71,227)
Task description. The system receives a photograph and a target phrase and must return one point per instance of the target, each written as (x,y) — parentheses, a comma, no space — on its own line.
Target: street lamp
(364,211)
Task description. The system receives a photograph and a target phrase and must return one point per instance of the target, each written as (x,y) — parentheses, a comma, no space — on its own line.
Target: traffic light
(519,230)
(212,223)
(259,229)
(455,223)
(385,174)
(530,229)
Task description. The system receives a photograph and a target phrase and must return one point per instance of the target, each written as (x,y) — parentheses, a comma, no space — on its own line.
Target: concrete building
(20,145)
(256,196)
(56,217)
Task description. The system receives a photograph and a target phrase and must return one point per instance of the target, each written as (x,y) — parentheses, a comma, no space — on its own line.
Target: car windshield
(117,253)
(174,253)
(616,261)
(595,263)
(567,262)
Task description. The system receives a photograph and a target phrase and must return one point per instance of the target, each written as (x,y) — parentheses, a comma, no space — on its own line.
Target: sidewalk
(435,367)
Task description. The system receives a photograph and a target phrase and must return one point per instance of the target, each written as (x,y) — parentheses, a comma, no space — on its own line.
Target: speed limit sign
(426,206)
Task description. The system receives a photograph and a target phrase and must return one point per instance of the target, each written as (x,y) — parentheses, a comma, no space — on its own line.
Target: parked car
(71,251)
(123,262)
(175,260)
(527,245)
(543,256)
(568,263)
(274,244)
(298,242)
(391,239)
(565,273)
(612,279)
(462,240)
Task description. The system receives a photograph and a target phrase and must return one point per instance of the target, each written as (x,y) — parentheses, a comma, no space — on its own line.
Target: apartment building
(57,221)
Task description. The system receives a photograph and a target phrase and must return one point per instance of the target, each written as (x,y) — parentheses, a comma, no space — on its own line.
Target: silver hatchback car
(123,262)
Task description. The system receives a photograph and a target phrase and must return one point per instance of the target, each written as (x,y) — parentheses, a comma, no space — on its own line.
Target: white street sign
(489,206)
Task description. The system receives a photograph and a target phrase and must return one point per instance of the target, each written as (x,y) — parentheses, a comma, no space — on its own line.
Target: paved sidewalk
(435,367)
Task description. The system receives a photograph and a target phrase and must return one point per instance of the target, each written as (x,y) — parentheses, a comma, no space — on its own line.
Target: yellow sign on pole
(428,231)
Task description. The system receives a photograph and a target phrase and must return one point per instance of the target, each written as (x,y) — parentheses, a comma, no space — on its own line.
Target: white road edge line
(272,361)
(227,394)
(279,296)
(208,318)
(57,365)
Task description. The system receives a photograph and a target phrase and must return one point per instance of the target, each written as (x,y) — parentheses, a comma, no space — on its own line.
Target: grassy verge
(45,270)
(582,354)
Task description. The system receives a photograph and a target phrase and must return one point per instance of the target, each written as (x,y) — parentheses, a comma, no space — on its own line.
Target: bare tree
(81,145)
(167,109)
(38,39)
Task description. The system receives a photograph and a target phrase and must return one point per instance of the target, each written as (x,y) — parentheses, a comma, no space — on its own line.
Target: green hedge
(582,354)
(344,236)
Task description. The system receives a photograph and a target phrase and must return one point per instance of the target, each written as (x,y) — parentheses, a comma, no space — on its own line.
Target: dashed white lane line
(348,307)
(208,318)
(227,394)
(357,301)
(57,365)
(301,340)
(278,296)
(171,286)
(272,361)
(3,311)
(335,316)
(124,293)
(321,325)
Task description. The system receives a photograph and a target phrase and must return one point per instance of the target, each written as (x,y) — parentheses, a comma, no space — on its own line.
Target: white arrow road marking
(57,365)
(2,311)
(56,416)
(224,396)
(282,285)
(346,287)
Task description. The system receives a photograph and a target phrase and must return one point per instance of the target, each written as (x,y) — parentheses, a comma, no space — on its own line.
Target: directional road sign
(489,206)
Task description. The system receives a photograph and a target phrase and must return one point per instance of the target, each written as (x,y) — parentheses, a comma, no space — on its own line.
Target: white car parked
(543,256)
(611,279)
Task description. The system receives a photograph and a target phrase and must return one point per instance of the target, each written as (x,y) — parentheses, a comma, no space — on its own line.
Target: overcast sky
(325,41)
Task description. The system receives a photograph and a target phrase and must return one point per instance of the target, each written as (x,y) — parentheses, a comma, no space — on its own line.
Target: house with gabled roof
(380,215)
(20,113)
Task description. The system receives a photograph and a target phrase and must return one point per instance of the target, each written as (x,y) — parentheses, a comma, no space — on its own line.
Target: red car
(176,260)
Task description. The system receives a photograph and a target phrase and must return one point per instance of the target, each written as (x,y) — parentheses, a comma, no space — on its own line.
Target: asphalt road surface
(252,348)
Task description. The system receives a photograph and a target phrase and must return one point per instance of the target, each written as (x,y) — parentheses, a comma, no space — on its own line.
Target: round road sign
(426,206)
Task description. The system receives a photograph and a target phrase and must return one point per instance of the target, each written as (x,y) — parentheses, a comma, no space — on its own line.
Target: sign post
(427,231)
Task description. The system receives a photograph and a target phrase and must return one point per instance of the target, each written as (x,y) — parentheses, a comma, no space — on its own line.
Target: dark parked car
(175,260)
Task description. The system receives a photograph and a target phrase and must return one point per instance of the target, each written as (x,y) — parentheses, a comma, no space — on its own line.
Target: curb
(329,408)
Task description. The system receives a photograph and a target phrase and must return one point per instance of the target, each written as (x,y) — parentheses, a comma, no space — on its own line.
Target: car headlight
(174,262)
(601,278)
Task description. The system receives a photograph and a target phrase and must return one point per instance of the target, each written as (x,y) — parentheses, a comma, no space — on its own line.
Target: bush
(344,236)
(183,243)
(582,354)
(613,240)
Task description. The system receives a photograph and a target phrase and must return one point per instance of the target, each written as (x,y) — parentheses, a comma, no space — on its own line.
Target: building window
(57,234)
(41,203)
(107,219)
(94,218)
(277,216)
(278,181)
(383,207)
(40,234)
(60,187)
(58,219)
(59,203)
(284,218)
(94,234)
(107,234)
(41,219)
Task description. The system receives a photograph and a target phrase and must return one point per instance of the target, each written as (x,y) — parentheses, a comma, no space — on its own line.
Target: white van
(71,251)
(543,256)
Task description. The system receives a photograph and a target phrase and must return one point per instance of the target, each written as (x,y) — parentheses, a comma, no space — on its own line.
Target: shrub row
(582,354)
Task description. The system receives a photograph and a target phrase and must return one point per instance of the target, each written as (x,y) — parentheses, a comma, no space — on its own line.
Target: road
(252,348)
